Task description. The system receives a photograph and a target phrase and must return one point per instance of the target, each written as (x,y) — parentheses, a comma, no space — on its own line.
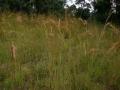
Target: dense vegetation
(45,45)
(33,6)
(102,10)
(54,54)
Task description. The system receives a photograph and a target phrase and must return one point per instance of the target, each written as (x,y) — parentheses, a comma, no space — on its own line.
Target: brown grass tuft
(13,50)
(115,46)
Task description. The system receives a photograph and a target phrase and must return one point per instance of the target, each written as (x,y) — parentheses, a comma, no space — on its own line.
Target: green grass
(58,55)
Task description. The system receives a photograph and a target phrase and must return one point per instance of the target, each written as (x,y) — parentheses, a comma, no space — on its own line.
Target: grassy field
(54,54)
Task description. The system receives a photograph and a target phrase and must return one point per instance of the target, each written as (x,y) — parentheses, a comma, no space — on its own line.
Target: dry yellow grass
(55,54)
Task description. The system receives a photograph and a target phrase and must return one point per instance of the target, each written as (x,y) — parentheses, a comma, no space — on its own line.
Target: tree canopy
(102,9)
(30,6)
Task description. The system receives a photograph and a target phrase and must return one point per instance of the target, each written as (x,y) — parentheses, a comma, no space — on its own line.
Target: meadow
(58,54)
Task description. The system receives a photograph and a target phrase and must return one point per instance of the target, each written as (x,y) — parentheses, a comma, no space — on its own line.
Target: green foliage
(107,10)
(83,13)
(118,11)
(49,6)
(80,12)
(32,6)
(102,9)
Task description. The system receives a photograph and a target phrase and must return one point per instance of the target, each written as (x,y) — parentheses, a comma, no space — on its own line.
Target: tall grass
(52,54)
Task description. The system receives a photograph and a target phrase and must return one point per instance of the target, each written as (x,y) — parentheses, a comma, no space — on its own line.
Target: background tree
(49,6)
(83,11)
(105,9)
(102,9)
(4,5)
(117,2)
(38,6)
(71,10)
